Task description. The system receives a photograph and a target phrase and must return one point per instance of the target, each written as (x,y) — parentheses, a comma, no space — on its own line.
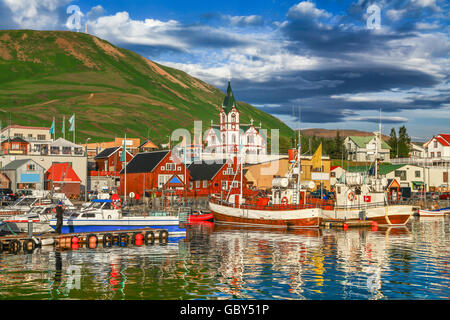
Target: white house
(438,147)
(364,149)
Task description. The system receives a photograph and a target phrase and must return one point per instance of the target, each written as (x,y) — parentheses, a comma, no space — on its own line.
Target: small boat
(104,215)
(25,203)
(199,216)
(434,213)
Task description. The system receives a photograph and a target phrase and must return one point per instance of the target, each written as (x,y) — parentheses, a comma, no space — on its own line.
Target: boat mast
(298,153)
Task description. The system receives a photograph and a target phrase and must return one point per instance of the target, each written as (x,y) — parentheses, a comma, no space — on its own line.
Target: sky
(337,63)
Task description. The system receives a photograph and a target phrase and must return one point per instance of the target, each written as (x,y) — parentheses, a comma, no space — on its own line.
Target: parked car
(24,192)
(444,196)
(7,194)
(432,195)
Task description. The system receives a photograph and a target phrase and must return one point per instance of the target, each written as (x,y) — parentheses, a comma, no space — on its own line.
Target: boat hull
(295,218)
(390,215)
(200,218)
(22,226)
(433,213)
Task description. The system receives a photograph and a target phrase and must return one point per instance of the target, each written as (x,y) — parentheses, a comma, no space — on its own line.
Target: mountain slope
(46,74)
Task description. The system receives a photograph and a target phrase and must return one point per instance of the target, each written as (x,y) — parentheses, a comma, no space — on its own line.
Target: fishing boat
(434,213)
(361,197)
(106,215)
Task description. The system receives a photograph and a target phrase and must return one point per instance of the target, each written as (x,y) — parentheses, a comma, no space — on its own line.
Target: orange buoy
(374,226)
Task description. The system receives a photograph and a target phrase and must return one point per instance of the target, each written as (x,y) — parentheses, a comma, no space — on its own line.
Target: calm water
(216,262)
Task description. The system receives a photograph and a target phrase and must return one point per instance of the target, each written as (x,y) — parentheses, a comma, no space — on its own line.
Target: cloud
(244,21)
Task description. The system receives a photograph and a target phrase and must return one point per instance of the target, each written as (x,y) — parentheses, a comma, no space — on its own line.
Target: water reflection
(223,262)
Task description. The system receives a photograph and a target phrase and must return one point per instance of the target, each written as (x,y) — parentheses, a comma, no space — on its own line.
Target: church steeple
(229,102)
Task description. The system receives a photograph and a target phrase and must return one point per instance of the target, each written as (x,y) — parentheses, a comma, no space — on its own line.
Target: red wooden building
(153,172)
(62,178)
(15,145)
(109,160)
(216,178)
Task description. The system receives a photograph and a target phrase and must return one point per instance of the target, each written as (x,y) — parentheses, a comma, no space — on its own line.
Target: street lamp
(87,169)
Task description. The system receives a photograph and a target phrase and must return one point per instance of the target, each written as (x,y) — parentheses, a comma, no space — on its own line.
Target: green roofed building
(364,149)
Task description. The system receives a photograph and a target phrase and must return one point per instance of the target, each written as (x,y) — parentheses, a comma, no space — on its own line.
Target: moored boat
(102,215)
(434,213)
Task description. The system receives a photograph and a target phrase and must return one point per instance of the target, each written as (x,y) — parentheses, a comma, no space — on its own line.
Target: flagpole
(74,129)
(125,171)
(64,127)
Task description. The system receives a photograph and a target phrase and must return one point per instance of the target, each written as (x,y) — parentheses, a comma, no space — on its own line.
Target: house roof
(443,141)
(203,170)
(382,168)
(145,161)
(362,141)
(14,165)
(15,139)
(148,144)
(106,153)
(62,172)
(61,142)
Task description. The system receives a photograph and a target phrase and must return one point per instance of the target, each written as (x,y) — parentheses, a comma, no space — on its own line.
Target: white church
(231,137)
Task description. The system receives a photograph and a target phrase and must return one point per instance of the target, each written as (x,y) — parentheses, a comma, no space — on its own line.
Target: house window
(432,154)
(235,184)
(31,167)
(438,154)
(179,168)
(170,166)
(417,174)
(163,168)
(400,174)
(333,174)
(197,184)
(250,139)
(224,185)
(18,135)
(230,171)
(205,184)
(233,118)
(435,144)
(445,177)
(41,136)
(30,136)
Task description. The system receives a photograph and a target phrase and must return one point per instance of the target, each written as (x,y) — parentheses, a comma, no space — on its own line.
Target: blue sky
(328,57)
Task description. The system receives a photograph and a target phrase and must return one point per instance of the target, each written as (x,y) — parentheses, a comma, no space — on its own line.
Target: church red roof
(62,172)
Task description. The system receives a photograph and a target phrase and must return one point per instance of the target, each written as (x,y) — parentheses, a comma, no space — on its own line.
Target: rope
(10,229)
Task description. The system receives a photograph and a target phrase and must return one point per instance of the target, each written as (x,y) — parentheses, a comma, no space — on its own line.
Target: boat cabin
(98,209)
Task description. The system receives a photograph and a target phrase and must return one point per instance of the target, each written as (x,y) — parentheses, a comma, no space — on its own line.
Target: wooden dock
(14,243)
(341,223)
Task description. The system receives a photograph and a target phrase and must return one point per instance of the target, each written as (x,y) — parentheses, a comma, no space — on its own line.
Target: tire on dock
(14,246)
(29,245)
(149,237)
(163,236)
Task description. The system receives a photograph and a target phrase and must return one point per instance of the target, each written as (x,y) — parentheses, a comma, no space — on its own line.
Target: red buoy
(75,240)
(75,246)
(139,236)
(374,226)
(138,242)
(345,226)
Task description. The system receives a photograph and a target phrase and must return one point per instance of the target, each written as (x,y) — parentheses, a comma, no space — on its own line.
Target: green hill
(46,74)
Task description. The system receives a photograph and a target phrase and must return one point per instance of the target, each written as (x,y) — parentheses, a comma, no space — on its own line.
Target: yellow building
(260,175)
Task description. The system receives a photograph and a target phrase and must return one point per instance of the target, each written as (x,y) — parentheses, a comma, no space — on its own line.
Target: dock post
(30,227)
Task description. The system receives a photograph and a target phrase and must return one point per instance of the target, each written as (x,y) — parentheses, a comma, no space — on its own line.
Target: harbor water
(224,262)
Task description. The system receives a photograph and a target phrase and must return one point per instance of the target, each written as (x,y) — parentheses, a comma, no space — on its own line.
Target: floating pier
(341,223)
(14,243)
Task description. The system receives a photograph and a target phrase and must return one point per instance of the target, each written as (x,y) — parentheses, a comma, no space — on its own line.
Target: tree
(404,142)
(393,141)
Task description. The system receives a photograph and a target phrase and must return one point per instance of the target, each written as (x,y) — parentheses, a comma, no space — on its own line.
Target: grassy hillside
(46,74)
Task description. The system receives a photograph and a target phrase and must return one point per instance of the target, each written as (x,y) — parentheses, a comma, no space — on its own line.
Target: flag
(63,129)
(124,150)
(52,128)
(316,160)
(72,123)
